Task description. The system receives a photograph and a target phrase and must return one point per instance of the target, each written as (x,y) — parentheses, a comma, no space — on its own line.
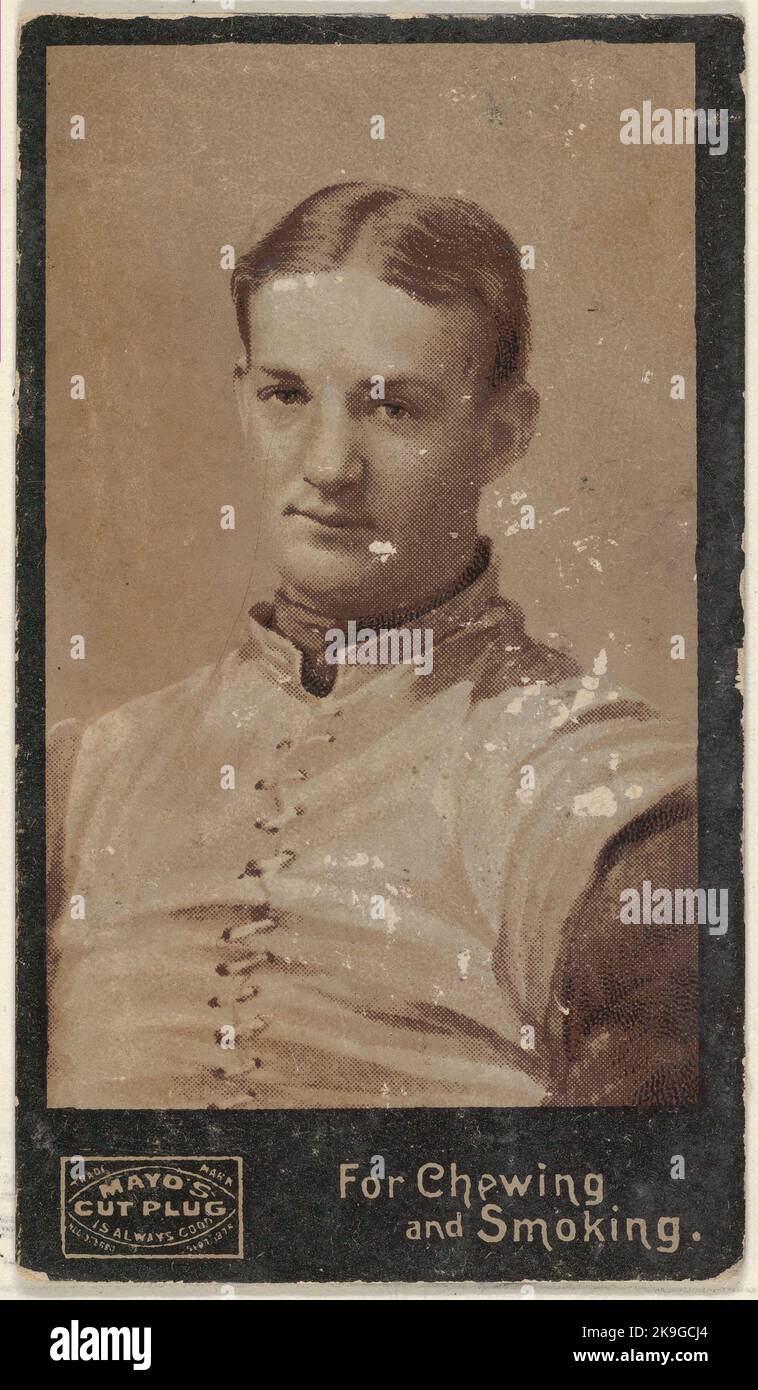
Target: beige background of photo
(189,149)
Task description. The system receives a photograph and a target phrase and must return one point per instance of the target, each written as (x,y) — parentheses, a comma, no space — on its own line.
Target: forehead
(351,320)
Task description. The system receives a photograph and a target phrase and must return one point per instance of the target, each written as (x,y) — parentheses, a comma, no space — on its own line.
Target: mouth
(331,521)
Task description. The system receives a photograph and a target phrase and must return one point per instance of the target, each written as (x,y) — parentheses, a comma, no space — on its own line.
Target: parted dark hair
(436,249)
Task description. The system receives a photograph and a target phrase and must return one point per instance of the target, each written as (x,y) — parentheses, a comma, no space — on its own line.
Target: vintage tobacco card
(380,496)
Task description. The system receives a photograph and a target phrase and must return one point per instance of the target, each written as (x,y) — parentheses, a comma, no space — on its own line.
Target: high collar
(282,660)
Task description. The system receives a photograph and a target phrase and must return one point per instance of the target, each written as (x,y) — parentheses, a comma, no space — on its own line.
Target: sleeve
(623,1013)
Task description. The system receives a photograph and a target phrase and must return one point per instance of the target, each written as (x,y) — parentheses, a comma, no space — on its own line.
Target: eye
(395,411)
(285,395)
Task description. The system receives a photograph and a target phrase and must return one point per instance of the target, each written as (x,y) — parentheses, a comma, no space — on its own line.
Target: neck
(302,619)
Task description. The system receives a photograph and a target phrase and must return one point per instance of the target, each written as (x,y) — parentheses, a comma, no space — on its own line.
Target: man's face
(368,413)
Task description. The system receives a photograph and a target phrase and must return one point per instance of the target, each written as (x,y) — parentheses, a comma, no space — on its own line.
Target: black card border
(290,1158)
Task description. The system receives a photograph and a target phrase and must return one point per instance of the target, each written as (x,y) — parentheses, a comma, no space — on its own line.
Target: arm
(623,1013)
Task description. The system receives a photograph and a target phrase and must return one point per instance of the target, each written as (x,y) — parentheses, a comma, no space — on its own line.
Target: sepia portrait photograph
(370,578)
(380,413)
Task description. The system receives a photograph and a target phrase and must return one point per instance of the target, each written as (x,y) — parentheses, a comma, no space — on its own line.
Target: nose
(334,456)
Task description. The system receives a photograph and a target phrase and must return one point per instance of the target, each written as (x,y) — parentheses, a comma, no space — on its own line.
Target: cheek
(425,497)
(441,470)
(453,463)
(273,449)
(425,449)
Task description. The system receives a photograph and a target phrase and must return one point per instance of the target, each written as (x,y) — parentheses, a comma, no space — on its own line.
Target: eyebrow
(281,373)
(413,383)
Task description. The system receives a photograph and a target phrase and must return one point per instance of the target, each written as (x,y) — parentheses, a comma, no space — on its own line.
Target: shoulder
(528,691)
(83,756)
(562,752)
(562,775)
(584,730)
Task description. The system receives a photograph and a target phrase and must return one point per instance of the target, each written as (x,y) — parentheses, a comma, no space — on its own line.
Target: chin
(336,582)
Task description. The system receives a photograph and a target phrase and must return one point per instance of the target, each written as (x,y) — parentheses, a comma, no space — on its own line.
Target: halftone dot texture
(257,909)
(435,249)
(253,908)
(137,302)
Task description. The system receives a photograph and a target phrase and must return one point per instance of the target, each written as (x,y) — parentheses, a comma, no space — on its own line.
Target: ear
(509,425)
(241,383)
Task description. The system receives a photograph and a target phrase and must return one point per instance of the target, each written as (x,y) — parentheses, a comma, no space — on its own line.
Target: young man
(307,884)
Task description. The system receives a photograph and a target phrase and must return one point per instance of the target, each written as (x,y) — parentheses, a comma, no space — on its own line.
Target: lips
(336,521)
